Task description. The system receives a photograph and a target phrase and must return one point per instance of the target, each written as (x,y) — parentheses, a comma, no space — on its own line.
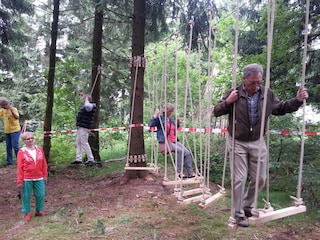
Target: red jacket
(28,169)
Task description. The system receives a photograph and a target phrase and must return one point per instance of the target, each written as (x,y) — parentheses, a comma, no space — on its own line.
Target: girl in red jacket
(32,173)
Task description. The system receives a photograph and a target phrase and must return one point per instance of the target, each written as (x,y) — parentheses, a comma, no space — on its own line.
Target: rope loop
(199,40)
(99,69)
(191,23)
(215,29)
(186,49)
(138,61)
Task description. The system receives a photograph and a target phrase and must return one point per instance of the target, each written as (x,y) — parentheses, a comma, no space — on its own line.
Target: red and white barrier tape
(195,130)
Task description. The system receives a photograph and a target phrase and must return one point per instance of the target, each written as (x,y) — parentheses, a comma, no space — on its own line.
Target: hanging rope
(199,42)
(303,75)
(206,173)
(267,86)
(154,156)
(99,68)
(232,219)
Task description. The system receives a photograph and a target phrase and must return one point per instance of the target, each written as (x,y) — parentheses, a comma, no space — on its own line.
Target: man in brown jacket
(247,101)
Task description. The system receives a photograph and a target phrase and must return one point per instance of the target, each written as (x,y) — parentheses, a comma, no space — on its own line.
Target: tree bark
(96,78)
(51,74)
(137,157)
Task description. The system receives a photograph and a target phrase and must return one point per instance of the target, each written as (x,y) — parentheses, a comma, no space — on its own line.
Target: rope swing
(267,214)
(205,202)
(136,62)
(232,223)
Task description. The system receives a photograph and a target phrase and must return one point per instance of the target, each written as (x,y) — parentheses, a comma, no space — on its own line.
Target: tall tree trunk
(50,88)
(95,77)
(137,157)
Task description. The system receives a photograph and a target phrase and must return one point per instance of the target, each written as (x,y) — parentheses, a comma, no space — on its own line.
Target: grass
(156,224)
(151,220)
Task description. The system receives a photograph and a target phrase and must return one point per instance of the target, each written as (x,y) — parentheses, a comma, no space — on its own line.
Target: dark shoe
(242,222)
(76,162)
(192,176)
(183,176)
(41,214)
(7,164)
(89,163)
(247,212)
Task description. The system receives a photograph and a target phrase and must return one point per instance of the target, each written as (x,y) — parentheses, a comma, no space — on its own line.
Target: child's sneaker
(27,218)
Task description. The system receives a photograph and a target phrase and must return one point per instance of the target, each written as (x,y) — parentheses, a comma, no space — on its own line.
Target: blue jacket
(155,122)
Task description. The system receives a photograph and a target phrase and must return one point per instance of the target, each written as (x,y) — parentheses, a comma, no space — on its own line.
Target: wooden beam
(190,192)
(269,216)
(212,199)
(232,224)
(192,199)
(155,169)
(184,181)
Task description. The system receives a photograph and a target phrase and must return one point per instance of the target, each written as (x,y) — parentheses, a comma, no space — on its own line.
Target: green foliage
(63,148)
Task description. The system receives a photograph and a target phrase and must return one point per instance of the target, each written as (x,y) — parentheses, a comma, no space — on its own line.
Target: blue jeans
(186,156)
(12,141)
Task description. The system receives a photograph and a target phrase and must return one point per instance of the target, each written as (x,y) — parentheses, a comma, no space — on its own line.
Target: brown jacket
(243,130)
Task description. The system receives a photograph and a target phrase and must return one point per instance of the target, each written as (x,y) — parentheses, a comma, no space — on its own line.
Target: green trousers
(39,189)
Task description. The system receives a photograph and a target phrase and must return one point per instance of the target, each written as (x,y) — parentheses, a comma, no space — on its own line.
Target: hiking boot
(242,222)
(41,214)
(76,162)
(247,212)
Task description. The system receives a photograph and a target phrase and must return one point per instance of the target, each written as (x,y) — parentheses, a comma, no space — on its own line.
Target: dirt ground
(100,195)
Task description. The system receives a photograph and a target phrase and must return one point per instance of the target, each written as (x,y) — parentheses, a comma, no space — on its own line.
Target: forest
(134,56)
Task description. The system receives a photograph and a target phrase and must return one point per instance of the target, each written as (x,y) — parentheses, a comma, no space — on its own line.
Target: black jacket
(85,118)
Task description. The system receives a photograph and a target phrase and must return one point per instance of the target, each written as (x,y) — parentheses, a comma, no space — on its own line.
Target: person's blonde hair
(167,107)
(26,135)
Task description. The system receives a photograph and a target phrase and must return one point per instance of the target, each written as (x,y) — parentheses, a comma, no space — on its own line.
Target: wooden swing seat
(266,216)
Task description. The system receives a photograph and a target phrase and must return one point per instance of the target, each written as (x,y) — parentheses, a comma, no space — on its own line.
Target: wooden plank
(142,168)
(189,192)
(192,199)
(269,216)
(184,181)
(192,192)
(212,199)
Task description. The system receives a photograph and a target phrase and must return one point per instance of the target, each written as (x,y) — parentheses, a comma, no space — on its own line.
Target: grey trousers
(180,149)
(82,143)
(244,167)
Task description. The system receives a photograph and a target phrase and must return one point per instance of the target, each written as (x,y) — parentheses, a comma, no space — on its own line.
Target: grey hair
(3,101)
(252,69)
